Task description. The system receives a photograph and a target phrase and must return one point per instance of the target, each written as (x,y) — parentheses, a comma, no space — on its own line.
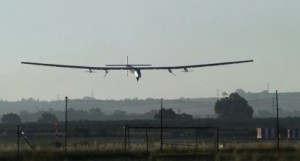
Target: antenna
(179,110)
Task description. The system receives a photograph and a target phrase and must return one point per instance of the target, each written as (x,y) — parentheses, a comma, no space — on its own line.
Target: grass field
(115,152)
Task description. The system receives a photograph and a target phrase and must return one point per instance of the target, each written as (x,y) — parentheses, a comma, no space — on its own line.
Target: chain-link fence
(101,124)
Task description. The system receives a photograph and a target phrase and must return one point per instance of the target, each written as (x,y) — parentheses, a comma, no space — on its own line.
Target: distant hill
(262,104)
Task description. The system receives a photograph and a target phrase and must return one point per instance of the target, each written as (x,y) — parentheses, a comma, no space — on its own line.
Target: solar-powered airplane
(136,68)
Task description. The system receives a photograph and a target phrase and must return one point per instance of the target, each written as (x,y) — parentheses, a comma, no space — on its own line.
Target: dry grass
(253,151)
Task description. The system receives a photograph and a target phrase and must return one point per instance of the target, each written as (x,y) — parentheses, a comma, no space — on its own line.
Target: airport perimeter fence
(124,138)
(150,138)
(107,127)
(140,138)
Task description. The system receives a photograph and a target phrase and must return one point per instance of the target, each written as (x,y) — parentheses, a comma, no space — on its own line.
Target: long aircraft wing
(137,67)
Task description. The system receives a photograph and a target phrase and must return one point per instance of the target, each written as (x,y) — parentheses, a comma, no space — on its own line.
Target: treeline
(115,128)
(197,107)
(92,114)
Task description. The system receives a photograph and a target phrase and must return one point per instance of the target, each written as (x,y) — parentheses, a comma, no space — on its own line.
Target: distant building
(265,133)
(293,133)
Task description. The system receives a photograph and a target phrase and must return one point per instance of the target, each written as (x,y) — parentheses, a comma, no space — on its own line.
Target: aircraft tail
(127,65)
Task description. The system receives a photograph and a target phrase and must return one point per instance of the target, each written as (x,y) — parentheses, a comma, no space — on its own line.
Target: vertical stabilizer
(127,65)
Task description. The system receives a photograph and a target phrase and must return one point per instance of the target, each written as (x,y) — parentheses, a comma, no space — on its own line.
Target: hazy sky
(159,32)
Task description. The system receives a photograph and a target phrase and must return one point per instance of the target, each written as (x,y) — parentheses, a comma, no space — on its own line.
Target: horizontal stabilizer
(124,65)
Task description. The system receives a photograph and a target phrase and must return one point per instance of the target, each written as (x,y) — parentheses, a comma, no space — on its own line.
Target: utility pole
(217,138)
(277,120)
(147,138)
(18,141)
(125,136)
(273,105)
(66,124)
(161,125)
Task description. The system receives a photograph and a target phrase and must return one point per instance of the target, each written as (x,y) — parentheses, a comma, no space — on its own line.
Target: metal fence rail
(189,136)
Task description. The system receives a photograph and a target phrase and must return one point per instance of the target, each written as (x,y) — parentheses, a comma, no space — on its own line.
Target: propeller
(90,71)
(170,71)
(106,72)
(186,70)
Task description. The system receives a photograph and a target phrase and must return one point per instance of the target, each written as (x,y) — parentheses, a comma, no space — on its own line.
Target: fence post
(161,125)
(277,121)
(125,137)
(128,137)
(217,138)
(147,138)
(66,123)
(196,138)
(18,142)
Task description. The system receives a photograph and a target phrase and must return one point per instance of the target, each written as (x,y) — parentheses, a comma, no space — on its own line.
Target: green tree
(167,114)
(233,107)
(170,114)
(47,118)
(10,118)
